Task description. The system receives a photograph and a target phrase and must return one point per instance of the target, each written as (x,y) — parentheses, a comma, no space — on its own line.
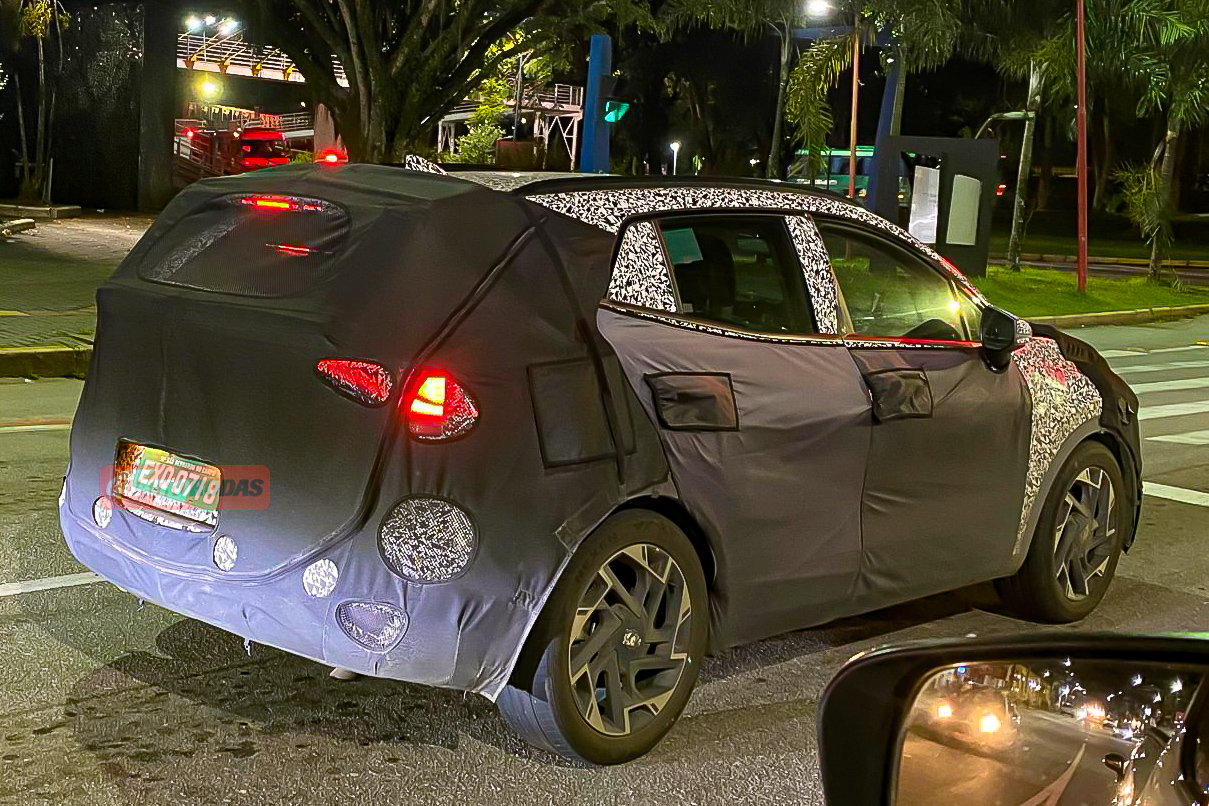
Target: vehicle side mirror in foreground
(1001,334)
(1116,762)
(1050,719)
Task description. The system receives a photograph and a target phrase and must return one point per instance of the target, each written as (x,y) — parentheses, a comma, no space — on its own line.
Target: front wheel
(1077,543)
(614,655)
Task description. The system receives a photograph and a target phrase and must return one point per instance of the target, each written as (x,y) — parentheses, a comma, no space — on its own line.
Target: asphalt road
(106,702)
(1055,759)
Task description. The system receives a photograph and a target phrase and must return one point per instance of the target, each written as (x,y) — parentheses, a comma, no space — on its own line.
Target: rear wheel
(1077,542)
(614,655)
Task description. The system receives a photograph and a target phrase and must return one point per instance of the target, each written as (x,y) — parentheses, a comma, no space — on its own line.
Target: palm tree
(1175,34)
(1025,40)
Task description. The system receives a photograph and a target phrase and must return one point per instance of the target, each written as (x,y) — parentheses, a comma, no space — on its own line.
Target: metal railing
(225,52)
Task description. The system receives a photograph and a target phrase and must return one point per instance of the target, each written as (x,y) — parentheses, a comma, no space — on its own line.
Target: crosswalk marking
(47,583)
(1168,367)
(22,429)
(1173,410)
(1179,349)
(1186,438)
(1170,493)
(1140,353)
(1182,385)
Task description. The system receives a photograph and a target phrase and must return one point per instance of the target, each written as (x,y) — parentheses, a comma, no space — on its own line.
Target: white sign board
(925,204)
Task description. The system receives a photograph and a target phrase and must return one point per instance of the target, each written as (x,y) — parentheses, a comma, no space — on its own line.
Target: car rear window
(250,245)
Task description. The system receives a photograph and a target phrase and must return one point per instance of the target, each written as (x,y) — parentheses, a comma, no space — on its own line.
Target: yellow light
(944,711)
(209,89)
(989,723)
(433,390)
(954,306)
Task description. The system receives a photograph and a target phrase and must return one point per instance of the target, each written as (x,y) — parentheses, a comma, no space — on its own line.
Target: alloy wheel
(629,640)
(1086,533)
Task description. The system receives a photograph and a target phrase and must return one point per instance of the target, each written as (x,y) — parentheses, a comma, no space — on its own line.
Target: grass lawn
(1037,292)
(1053,233)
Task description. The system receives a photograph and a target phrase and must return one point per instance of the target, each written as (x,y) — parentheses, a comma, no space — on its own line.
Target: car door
(949,434)
(763,417)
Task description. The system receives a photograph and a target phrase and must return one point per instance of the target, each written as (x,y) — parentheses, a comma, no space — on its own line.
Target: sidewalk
(49,277)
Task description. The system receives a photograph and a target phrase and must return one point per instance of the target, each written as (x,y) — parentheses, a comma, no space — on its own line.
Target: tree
(43,21)
(1024,40)
(1176,35)
(408,62)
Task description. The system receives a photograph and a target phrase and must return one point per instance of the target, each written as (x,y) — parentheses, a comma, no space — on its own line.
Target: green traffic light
(615,111)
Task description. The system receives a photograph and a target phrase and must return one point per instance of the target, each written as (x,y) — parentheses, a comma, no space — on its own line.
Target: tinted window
(889,291)
(741,272)
(265,148)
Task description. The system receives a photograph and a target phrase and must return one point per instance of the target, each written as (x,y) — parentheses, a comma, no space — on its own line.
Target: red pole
(856,96)
(1081,115)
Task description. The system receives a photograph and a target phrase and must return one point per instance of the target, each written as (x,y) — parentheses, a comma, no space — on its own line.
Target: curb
(1135,317)
(44,362)
(52,213)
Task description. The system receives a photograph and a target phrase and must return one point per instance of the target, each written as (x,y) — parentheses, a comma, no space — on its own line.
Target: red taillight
(364,381)
(190,134)
(1002,189)
(438,408)
(330,156)
(292,251)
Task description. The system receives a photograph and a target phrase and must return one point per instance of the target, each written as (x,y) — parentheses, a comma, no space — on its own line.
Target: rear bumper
(454,638)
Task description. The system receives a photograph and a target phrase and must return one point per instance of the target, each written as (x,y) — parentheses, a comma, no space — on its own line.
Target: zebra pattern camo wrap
(640,273)
(610,208)
(1063,399)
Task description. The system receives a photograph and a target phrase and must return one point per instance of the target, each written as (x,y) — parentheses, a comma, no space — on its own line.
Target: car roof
(531,183)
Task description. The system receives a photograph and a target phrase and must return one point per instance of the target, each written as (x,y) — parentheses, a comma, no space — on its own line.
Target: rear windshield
(250,245)
(265,148)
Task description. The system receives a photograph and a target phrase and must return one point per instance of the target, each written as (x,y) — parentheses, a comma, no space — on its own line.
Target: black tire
(1041,590)
(540,702)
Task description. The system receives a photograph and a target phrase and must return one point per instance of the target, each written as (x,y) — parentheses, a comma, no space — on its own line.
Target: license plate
(150,478)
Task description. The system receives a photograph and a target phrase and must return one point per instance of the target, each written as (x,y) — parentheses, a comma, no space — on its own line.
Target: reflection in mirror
(1058,732)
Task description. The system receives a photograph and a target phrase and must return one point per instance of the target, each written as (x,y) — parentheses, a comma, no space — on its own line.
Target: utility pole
(856,95)
(1081,115)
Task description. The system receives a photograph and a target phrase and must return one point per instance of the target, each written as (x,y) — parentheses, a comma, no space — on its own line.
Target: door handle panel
(687,401)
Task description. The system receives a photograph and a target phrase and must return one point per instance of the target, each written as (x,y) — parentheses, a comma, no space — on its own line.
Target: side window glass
(889,292)
(740,272)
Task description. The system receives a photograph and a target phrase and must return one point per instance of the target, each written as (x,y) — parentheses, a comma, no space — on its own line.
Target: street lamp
(228,27)
(675,146)
(818,8)
(210,19)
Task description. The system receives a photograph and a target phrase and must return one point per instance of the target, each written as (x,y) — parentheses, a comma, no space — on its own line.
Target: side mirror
(1020,719)
(1001,334)
(1116,763)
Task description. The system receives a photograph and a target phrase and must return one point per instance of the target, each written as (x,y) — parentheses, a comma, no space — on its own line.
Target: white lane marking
(1195,497)
(1173,410)
(1180,349)
(1138,353)
(1053,792)
(21,429)
(47,583)
(1186,438)
(1182,385)
(1166,367)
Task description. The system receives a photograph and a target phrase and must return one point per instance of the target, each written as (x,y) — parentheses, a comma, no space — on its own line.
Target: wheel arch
(666,506)
(1090,431)
(1119,448)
